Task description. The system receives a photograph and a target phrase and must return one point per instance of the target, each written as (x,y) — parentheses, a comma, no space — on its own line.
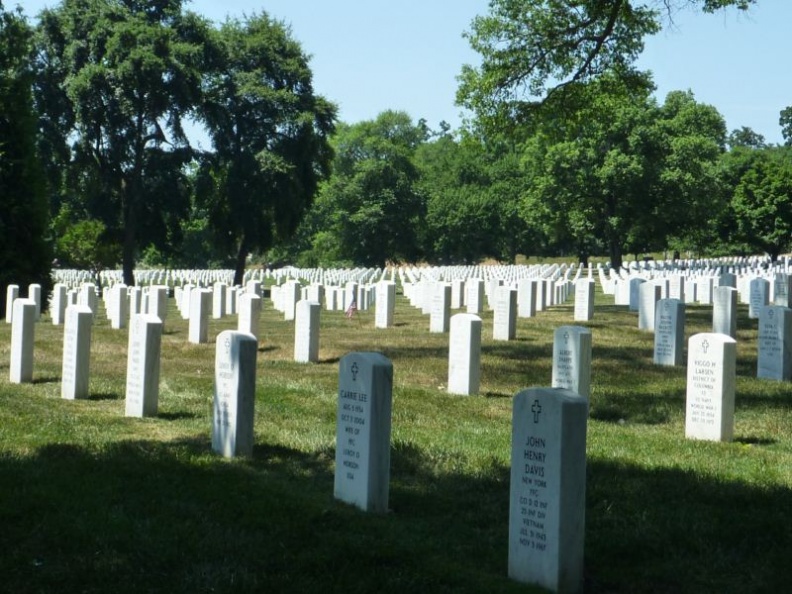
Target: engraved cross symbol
(705,346)
(536,409)
(354,371)
(566,336)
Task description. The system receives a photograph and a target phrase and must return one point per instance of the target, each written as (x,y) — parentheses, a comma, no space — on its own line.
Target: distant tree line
(99,167)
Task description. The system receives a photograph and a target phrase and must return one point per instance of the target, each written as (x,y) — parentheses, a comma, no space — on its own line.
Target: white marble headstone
(547,503)
(709,409)
(22,340)
(774,358)
(363,429)
(143,365)
(76,352)
(464,354)
(669,332)
(234,393)
(572,359)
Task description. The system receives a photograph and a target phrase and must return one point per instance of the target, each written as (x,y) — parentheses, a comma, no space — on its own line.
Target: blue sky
(373,55)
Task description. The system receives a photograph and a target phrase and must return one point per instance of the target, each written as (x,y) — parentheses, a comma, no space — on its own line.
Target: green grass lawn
(91,501)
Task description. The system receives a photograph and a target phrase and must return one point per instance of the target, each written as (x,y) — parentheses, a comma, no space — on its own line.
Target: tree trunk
(130,243)
(241,261)
(615,255)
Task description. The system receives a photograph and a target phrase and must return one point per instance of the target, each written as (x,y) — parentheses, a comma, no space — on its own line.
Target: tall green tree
(625,173)
(373,201)
(117,78)
(762,201)
(269,131)
(473,191)
(25,254)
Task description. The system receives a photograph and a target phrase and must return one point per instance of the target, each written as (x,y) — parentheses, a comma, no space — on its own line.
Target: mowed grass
(91,501)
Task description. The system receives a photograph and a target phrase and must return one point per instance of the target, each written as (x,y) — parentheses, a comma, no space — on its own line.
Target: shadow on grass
(414,352)
(46,379)
(492,394)
(755,440)
(105,396)
(177,416)
(171,517)
(675,531)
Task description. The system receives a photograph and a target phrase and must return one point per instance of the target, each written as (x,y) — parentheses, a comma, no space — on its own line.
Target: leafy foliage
(25,254)
(115,76)
(372,205)
(85,245)
(763,201)
(270,136)
(625,172)
(532,49)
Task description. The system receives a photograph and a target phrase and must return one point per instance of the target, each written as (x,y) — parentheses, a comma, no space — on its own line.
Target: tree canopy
(117,78)
(269,131)
(25,254)
(532,49)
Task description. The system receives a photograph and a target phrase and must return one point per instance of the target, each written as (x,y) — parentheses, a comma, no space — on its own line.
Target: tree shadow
(493,394)
(105,396)
(46,379)
(176,416)
(88,519)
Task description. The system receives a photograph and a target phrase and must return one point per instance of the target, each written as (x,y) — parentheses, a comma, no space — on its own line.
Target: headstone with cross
(464,354)
(234,393)
(669,332)
(143,366)
(363,428)
(547,501)
(724,311)
(711,374)
(774,358)
(572,359)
